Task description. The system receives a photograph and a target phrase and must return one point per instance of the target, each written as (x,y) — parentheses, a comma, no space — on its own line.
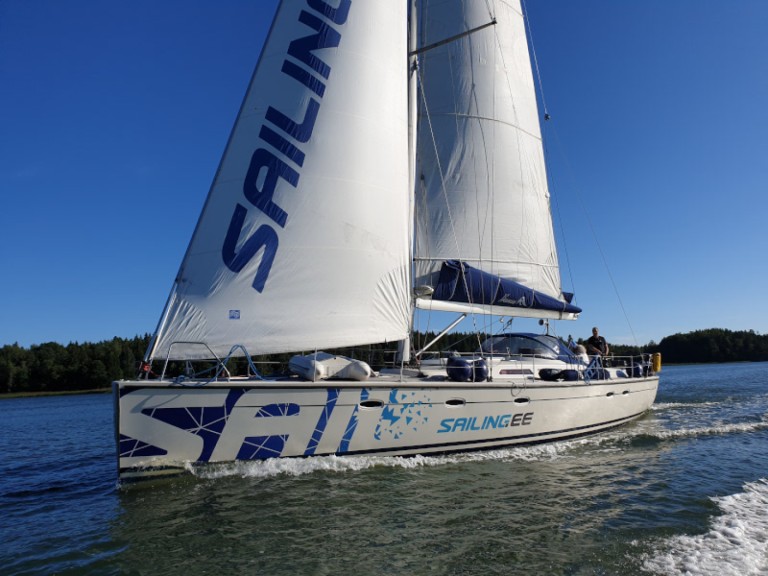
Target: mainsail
(303,240)
(481,187)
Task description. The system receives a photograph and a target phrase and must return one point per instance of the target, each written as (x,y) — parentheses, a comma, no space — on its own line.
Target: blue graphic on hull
(206,421)
(130,447)
(405,413)
(266,440)
(330,404)
(278,410)
(352,424)
(262,447)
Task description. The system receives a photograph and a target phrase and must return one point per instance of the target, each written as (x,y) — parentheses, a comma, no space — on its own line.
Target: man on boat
(596,344)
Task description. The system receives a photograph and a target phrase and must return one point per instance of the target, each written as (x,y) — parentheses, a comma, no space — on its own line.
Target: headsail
(303,240)
(481,192)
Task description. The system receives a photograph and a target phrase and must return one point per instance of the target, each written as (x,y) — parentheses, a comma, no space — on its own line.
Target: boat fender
(569,375)
(463,370)
(550,374)
(656,362)
(480,373)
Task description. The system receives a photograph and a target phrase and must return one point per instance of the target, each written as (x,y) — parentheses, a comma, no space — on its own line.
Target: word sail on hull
(387,157)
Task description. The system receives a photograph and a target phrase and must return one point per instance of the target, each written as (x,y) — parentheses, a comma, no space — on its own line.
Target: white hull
(162,427)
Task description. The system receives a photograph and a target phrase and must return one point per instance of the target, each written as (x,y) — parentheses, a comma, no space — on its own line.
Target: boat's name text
(281,137)
(485,423)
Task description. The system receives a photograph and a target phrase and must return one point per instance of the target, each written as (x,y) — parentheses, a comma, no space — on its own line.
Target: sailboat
(387,158)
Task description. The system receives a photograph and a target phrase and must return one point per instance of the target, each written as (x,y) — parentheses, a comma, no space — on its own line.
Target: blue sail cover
(459,282)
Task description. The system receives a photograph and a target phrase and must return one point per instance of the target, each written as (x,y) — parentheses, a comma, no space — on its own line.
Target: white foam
(736,544)
(660,406)
(716,429)
(300,466)
(609,440)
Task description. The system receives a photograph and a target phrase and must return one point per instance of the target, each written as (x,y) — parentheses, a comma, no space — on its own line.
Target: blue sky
(113,117)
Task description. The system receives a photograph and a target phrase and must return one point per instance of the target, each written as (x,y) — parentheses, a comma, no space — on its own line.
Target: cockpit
(537,345)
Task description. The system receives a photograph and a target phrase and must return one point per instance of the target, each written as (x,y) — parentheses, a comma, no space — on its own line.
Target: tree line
(714,345)
(52,367)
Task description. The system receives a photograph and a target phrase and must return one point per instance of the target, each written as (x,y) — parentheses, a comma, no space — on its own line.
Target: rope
(442,180)
(592,230)
(535,59)
(578,196)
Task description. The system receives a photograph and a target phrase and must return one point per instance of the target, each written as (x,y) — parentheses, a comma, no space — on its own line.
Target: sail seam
(486,118)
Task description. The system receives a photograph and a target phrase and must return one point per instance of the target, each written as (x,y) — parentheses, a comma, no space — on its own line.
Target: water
(681,491)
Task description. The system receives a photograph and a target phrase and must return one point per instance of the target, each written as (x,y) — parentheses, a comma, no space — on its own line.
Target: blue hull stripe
(330,404)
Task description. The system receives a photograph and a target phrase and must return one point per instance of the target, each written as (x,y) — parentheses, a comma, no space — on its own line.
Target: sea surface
(684,490)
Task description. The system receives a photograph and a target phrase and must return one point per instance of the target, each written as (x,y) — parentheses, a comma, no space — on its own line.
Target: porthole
(454,402)
(371,404)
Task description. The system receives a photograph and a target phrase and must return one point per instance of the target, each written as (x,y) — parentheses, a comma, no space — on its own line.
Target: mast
(404,346)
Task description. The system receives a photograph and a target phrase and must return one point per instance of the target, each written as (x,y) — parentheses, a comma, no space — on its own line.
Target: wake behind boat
(387,157)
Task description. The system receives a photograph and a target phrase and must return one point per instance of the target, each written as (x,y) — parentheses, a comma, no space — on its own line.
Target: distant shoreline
(53,393)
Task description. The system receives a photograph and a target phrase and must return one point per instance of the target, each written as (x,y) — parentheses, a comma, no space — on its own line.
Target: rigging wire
(516,124)
(569,169)
(593,231)
(456,114)
(489,212)
(545,145)
(427,116)
(443,186)
(560,221)
(535,59)
(546,117)
(544,141)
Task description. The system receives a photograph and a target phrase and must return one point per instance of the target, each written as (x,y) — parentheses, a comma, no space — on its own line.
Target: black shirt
(599,343)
